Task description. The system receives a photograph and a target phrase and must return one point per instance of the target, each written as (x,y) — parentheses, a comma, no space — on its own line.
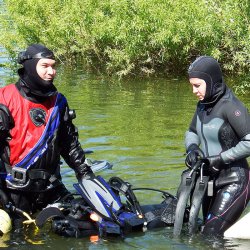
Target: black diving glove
(213,164)
(83,170)
(194,153)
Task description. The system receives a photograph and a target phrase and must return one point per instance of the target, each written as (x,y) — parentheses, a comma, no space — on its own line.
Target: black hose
(125,188)
(167,194)
(10,207)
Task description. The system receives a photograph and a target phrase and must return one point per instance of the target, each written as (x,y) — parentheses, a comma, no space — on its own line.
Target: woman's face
(199,87)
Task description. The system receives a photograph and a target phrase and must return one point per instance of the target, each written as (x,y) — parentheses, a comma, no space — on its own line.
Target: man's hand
(83,170)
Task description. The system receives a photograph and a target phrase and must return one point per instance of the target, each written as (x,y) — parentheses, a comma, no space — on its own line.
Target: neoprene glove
(194,153)
(83,170)
(213,164)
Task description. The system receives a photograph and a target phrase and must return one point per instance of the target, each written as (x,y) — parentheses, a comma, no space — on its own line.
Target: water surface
(138,126)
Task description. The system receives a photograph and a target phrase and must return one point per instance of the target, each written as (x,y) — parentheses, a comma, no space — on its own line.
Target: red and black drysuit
(34,133)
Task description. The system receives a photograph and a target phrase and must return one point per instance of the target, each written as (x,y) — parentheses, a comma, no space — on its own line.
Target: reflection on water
(138,126)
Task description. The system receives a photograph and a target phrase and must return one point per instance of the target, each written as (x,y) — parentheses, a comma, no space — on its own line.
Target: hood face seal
(209,70)
(35,85)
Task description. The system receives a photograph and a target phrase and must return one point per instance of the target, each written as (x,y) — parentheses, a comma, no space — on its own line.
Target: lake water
(138,126)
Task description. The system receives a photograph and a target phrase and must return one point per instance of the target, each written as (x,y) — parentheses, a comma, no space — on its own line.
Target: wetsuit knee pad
(224,199)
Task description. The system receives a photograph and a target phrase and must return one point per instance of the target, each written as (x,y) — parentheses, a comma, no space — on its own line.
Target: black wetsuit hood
(208,69)
(30,82)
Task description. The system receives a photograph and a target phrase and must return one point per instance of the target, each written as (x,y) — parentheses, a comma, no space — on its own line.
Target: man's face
(46,69)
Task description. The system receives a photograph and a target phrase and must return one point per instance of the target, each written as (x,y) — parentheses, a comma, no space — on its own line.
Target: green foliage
(132,36)
(243,86)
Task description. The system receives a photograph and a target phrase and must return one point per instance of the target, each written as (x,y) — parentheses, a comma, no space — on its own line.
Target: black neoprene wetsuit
(223,127)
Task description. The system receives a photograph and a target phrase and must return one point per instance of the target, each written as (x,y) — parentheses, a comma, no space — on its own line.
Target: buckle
(19,174)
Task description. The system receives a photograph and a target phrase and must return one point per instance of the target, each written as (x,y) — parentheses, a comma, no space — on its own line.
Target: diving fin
(185,188)
(97,166)
(197,197)
(99,195)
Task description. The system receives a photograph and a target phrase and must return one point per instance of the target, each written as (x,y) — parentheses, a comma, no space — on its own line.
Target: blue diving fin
(99,195)
(97,166)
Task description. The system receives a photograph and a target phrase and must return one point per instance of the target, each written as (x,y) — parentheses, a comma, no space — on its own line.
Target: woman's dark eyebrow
(196,85)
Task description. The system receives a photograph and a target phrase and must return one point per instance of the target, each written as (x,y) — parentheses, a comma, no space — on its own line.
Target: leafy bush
(128,37)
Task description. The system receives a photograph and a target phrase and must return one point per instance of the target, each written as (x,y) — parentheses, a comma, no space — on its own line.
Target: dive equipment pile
(100,211)
(101,208)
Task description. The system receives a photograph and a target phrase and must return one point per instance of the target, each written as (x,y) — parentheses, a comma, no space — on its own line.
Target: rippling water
(138,126)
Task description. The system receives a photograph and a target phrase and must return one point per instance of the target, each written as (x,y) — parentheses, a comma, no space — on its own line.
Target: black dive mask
(22,56)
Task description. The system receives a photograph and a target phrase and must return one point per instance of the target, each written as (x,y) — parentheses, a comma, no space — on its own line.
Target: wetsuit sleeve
(191,136)
(71,149)
(238,117)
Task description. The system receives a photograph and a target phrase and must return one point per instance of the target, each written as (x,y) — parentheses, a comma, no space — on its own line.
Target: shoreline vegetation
(132,37)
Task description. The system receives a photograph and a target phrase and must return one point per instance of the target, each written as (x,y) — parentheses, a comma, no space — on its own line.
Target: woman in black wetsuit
(220,134)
